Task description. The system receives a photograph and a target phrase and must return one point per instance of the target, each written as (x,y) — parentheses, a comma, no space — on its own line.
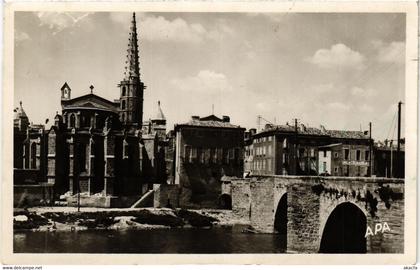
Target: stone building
(206,149)
(302,150)
(96,147)
(29,162)
(249,151)
(388,162)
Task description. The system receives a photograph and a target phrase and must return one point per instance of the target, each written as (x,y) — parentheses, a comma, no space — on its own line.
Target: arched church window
(33,155)
(72,120)
(82,160)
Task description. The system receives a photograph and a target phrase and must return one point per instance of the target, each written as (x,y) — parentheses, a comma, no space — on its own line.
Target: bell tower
(131,87)
(65,92)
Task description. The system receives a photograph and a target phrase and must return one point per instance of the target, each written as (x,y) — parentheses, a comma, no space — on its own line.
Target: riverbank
(69,219)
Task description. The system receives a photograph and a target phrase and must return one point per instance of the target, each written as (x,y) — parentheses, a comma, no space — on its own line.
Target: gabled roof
(65,85)
(90,101)
(211,118)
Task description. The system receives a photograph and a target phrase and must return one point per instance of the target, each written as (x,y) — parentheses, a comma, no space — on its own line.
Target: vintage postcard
(217,133)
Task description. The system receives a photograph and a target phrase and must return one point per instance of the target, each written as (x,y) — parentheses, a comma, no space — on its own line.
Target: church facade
(97,148)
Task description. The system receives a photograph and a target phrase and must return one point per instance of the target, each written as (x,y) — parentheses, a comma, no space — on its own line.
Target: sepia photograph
(211,132)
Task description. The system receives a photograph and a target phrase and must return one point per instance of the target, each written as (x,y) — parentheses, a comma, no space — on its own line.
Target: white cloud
(337,106)
(206,81)
(21,36)
(339,55)
(366,108)
(323,88)
(158,28)
(362,92)
(393,52)
(58,21)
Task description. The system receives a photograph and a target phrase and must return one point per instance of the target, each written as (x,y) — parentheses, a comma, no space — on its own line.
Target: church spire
(132,70)
(131,87)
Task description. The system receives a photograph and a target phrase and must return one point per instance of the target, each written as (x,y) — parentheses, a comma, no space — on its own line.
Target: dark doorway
(280,219)
(225,202)
(344,231)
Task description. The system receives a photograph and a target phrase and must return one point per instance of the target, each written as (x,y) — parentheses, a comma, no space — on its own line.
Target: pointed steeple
(131,87)
(132,70)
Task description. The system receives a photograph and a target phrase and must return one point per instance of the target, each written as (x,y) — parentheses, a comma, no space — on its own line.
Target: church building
(99,148)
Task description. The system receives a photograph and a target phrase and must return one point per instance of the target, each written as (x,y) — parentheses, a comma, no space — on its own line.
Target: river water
(214,240)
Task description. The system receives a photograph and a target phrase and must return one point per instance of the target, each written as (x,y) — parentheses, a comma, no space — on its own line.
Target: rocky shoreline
(69,219)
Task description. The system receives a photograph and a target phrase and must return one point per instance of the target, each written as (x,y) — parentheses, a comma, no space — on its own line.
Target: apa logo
(379,228)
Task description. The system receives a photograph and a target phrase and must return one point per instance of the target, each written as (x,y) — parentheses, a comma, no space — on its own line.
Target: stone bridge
(323,214)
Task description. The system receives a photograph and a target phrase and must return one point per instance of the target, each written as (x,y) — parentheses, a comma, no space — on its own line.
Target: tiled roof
(342,134)
(346,134)
(218,124)
(209,123)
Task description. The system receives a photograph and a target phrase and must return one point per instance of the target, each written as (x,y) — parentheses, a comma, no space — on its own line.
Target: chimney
(195,118)
(226,118)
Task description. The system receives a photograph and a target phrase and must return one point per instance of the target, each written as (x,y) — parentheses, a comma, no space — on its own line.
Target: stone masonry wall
(262,210)
(241,200)
(165,193)
(311,200)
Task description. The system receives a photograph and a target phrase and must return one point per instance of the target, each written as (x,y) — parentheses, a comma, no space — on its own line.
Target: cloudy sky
(338,70)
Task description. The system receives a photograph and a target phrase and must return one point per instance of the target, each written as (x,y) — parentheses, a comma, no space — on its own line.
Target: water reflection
(215,240)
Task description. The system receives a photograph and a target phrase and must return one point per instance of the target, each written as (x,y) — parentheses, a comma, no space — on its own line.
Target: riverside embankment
(69,219)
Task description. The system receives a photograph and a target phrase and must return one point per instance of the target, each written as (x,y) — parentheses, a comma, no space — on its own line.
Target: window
(187,153)
(200,155)
(301,152)
(231,153)
(219,155)
(346,154)
(346,170)
(367,155)
(194,154)
(82,158)
(92,147)
(357,154)
(72,120)
(126,149)
(85,121)
(33,155)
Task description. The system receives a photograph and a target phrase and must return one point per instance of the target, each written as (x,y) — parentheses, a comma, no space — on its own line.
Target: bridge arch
(280,217)
(344,230)
(225,201)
